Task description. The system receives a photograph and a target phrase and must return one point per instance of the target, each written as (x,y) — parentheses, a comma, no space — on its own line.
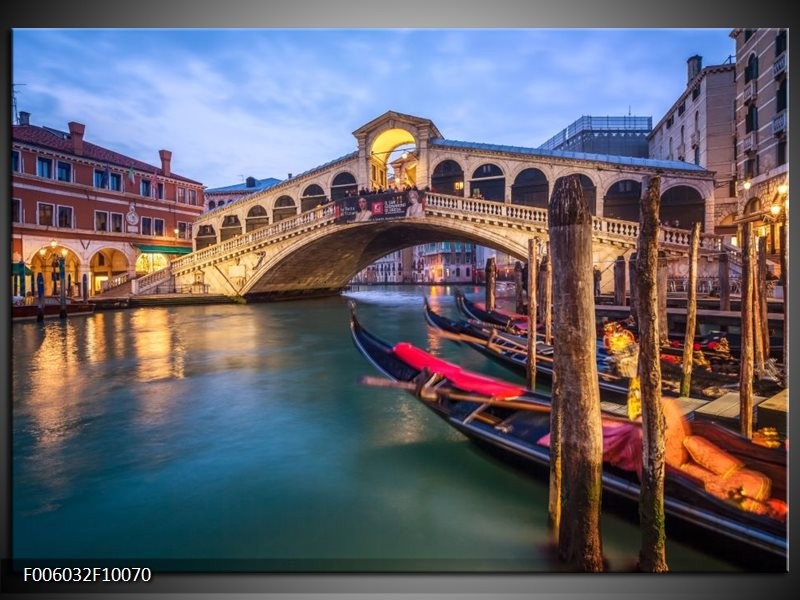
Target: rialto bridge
(284,240)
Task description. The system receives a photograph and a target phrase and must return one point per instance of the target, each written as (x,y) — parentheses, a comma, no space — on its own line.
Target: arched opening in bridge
(284,209)
(344,184)
(312,196)
(392,160)
(448,178)
(488,182)
(206,236)
(682,206)
(231,227)
(530,189)
(622,200)
(589,191)
(256,217)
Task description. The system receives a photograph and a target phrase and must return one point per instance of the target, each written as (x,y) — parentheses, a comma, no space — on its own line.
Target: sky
(233,103)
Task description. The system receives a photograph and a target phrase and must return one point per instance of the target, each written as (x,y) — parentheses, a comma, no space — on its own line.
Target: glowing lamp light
(53,243)
(64,252)
(775,209)
(42,252)
(782,189)
(747,183)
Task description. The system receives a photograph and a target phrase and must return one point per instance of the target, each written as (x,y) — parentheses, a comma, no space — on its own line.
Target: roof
(260,186)
(631,161)
(61,141)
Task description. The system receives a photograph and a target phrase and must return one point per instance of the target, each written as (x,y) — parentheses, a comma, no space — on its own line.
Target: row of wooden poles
(568,311)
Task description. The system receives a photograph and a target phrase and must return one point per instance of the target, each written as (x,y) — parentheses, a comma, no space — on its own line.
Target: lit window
(44,214)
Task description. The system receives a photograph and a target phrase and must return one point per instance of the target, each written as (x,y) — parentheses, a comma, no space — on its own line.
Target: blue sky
(230,103)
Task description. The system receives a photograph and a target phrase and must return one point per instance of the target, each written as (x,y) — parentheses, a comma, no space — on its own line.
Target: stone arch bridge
(310,254)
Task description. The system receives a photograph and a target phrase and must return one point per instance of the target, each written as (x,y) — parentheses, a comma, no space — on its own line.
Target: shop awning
(148,249)
(16,269)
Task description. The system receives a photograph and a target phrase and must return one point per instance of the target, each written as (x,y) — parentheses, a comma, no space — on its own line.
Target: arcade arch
(622,200)
(488,182)
(256,217)
(448,178)
(284,208)
(530,188)
(682,206)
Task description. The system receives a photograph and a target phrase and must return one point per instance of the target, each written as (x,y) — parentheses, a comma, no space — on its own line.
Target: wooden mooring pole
(619,281)
(746,352)
(491,283)
(691,312)
(531,364)
(545,284)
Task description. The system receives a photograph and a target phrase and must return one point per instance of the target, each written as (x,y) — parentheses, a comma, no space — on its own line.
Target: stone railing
(321,215)
(151,281)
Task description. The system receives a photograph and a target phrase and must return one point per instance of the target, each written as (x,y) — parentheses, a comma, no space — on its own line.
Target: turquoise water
(237,437)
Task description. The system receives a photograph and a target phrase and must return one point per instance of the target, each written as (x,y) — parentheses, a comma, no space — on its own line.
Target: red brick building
(110,216)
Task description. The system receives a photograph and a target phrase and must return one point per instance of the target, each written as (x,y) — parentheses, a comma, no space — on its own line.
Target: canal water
(237,437)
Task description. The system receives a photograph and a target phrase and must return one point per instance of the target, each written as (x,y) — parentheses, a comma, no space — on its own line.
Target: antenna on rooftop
(629,110)
(14,111)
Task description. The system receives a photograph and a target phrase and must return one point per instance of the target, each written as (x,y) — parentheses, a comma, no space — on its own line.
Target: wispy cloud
(232,103)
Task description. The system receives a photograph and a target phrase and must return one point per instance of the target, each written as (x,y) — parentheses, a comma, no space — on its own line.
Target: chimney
(250,182)
(24,118)
(166,158)
(76,133)
(695,65)
(290,176)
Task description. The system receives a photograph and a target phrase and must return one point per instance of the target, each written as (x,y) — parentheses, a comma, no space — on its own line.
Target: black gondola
(511,421)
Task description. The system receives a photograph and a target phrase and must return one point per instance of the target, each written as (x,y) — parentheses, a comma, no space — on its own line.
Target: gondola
(22,311)
(511,351)
(711,378)
(744,510)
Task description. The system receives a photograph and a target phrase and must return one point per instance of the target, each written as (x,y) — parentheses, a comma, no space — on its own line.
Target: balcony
(750,141)
(779,124)
(779,66)
(750,91)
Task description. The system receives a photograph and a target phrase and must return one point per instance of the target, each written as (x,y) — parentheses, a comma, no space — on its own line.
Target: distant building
(619,136)
(111,217)
(216,197)
(698,128)
(762,122)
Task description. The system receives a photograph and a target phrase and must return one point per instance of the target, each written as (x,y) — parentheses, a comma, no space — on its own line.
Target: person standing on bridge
(364,213)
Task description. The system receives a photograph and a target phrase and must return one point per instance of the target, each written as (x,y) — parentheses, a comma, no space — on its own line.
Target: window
(16,163)
(63,171)
(65,217)
(44,214)
(16,210)
(101,259)
(158,227)
(780,43)
(116,222)
(682,108)
(100,178)
(147,226)
(144,188)
(780,152)
(182,229)
(748,33)
(780,97)
(751,70)
(160,190)
(695,92)
(100,220)
(751,120)
(115,182)
(697,155)
(750,168)
(181,195)
(193,197)
(670,121)
(44,167)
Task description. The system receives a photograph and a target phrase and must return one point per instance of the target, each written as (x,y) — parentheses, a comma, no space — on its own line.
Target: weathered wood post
(575,383)
(652,556)
(661,286)
(619,281)
(785,280)
(746,352)
(518,289)
(758,346)
(763,322)
(545,283)
(724,273)
(531,366)
(632,284)
(691,312)
(491,282)
(40,294)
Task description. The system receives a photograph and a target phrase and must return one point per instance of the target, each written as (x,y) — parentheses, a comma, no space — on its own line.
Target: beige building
(699,128)
(762,122)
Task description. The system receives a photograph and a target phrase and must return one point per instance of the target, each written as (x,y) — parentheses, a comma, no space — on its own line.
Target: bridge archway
(530,188)
(448,178)
(384,147)
(682,206)
(206,236)
(312,196)
(256,217)
(343,184)
(488,182)
(622,200)
(231,227)
(284,208)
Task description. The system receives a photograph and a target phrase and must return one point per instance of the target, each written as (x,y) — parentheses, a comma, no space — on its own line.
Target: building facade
(108,216)
(619,136)
(699,128)
(762,127)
